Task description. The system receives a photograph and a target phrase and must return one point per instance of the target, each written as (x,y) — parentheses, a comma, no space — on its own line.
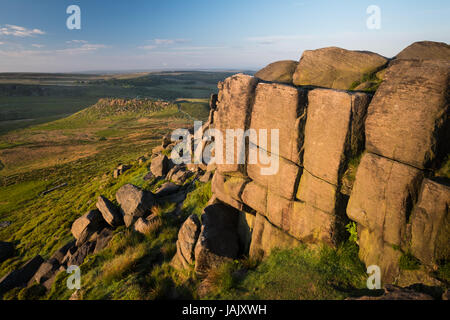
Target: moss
(371,78)
(443,271)
(35,292)
(409,262)
(353,232)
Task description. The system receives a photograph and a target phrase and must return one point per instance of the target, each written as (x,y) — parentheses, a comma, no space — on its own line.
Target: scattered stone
(103,240)
(110,212)
(134,202)
(160,166)
(120,170)
(166,189)
(147,225)
(87,225)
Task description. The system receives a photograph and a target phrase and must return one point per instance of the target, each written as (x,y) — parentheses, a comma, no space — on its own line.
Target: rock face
(430,223)
(335,67)
(426,50)
(134,203)
(410,132)
(110,212)
(280,71)
(218,240)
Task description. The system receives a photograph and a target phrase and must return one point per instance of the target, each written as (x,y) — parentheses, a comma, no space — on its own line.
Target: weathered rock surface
(266,237)
(21,276)
(134,202)
(280,71)
(409,112)
(87,225)
(228,189)
(218,240)
(6,250)
(430,223)
(327,146)
(335,68)
(160,166)
(166,189)
(187,239)
(289,122)
(110,212)
(426,50)
(147,225)
(233,112)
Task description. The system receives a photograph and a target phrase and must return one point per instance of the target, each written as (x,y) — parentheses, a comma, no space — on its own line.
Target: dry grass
(118,266)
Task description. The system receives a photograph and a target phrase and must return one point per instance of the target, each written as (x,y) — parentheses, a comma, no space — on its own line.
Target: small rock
(110,212)
(134,202)
(87,225)
(20,277)
(166,189)
(160,166)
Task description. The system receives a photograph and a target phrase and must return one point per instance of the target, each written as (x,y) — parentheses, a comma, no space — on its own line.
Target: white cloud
(267,40)
(17,31)
(169,41)
(36,45)
(77,41)
(1,43)
(85,48)
(150,47)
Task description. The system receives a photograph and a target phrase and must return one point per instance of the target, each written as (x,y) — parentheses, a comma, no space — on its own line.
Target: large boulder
(134,202)
(233,112)
(336,68)
(228,189)
(407,119)
(160,166)
(46,272)
(426,50)
(21,276)
(87,225)
(280,71)
(6,250)
(430,224)
(110,212)
(187,239)
(218,240)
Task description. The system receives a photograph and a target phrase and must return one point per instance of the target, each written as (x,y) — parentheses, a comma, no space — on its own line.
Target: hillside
(361,182)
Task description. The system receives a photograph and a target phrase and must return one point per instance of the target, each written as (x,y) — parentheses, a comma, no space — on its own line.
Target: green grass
(300,273)
(409,262)
(197,199)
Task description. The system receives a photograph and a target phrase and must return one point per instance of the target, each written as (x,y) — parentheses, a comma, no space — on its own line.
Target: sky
(205,34)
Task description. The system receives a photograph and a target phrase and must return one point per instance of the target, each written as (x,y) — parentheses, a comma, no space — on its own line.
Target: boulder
(411,131)
(87,225)
(77,258)
(61,253)
(255,196)
(327,146)
(103,240)
(147,225)
(46,271)
(218,240)
(317,192)
(110,212)
(6,250)
(430,224)
(233,112)
(180,177)
(289,123)
(21,276)
(279,71)
(187,239)
(160,166)
(336,68)
(426,50)
(267,237)
(166,189)
(134,202)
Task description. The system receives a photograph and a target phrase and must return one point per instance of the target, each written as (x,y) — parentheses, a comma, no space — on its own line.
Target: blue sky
(204,34)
